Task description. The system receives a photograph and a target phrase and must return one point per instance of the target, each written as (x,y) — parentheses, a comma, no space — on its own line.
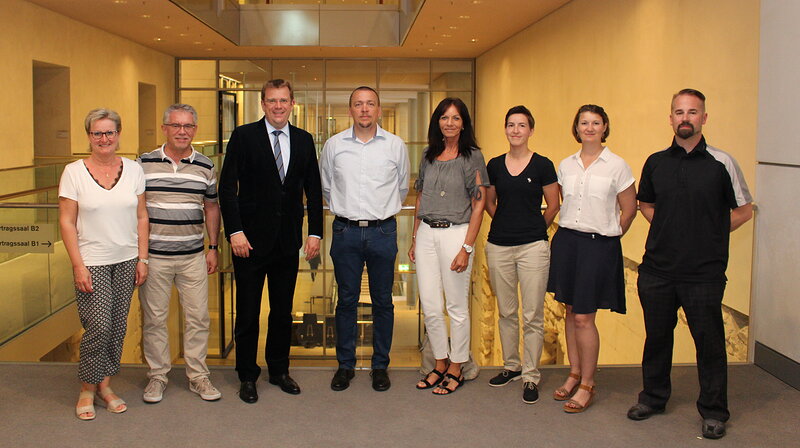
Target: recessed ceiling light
(167,27)
(447,35)
(197,42)
(463,17)
(437,43)
(120,2)
(145,16)
(477,2)
(157,39)
(183,34)
(453,27)
(430,49)
(473,40)
(209,49)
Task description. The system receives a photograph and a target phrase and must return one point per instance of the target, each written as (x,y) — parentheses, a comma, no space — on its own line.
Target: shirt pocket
(599,187)
(569,186)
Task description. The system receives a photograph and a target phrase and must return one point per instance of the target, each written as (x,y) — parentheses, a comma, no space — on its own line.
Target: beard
(685,130)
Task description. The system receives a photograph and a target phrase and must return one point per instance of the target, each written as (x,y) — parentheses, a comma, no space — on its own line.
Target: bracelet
(144,261)
(213,247)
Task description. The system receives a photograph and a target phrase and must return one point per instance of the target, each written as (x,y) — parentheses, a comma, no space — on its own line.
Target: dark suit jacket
(252,198)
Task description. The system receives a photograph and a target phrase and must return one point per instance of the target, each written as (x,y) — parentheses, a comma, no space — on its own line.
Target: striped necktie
(278,157)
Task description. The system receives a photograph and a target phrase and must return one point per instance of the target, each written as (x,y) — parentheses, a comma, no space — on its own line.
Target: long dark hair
(466,140)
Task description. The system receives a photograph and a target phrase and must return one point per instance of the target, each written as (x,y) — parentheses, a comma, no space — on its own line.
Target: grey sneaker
(202,386)
(530,392)
(154,391)
(504,377)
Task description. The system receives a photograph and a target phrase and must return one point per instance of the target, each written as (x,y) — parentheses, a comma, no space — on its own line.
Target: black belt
(593,236)
(364,222)
(437,223)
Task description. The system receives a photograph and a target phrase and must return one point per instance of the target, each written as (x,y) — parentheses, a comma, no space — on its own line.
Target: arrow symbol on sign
(47,243)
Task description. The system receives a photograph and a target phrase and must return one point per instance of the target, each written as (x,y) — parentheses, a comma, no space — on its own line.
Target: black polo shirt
(693,194)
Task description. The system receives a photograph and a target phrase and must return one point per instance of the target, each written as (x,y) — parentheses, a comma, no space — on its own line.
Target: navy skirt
(586,271)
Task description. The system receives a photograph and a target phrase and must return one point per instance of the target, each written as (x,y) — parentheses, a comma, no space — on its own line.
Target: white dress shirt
(364,180)
(590,193)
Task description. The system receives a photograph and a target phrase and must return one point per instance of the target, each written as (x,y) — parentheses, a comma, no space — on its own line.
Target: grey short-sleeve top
(447,187)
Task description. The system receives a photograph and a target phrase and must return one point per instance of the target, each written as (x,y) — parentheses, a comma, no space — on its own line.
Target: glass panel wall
(409,89)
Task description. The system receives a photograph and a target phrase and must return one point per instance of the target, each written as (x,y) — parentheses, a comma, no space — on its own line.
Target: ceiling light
(145,16)
(463,17)
(473,40)
(167,27)
(120,2)
(197,42)
(209,49)
(183,34)
(437,43)
(447,35)
(453,27)
(157,39)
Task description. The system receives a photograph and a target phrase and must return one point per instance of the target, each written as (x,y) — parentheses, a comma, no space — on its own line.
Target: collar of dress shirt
(604,155)
(379,133)
(271,128)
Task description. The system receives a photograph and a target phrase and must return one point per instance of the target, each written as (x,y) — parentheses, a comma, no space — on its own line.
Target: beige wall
(630,56)
(104,72)
(777,278)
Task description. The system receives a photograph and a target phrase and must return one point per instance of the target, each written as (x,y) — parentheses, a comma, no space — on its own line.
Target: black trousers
(701,303)
(280,269)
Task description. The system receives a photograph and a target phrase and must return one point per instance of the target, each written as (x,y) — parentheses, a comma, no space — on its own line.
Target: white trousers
(435,251)
(528,266)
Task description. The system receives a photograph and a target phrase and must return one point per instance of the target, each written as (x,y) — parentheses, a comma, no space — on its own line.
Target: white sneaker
(154,391)
(202,386)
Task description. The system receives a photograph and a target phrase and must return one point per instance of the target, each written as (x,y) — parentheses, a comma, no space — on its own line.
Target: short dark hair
(521,110)
(466,139)
(595,109)
(691,92)
(277,84)
(350,101)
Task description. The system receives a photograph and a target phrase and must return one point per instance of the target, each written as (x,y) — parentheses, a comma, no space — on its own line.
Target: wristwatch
(213,247)
(467,248)
(144,261)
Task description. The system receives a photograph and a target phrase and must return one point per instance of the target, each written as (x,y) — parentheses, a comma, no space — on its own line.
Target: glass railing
(36,285)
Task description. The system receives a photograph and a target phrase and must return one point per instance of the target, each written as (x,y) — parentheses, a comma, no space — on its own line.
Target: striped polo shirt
(175,192)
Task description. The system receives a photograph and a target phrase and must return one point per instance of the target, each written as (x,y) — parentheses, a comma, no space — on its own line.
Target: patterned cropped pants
(104,316)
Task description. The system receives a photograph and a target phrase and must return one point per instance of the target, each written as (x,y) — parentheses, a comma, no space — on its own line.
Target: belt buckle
(363,223)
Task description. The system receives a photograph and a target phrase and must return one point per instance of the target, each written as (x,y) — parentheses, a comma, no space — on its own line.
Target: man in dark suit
(268,167)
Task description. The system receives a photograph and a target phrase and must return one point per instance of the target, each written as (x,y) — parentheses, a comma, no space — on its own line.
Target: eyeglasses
(97,135)
(274,101)
(178,126)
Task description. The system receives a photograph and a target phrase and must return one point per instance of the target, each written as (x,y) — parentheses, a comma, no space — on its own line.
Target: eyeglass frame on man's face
(98,135)
(190,127)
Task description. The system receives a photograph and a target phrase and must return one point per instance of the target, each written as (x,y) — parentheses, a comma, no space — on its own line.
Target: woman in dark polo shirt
(517,252)
(451,193)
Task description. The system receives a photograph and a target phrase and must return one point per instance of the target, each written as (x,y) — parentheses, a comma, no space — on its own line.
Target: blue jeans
(351,248)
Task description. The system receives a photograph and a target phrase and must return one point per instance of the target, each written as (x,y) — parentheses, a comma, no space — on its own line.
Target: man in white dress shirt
(364,172)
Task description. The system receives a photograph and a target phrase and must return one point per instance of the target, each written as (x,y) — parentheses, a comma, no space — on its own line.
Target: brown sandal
(576,407)
(562,394)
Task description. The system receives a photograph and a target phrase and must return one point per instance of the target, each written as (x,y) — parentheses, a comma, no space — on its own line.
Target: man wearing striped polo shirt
(181,195)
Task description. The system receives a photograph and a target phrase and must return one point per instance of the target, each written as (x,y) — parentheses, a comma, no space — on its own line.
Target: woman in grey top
(450,198)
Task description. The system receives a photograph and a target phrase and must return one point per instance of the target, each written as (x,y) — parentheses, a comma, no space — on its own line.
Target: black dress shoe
(641,411)
(380,380)
(248,392)
(286,383)
(341,379)
(713,429)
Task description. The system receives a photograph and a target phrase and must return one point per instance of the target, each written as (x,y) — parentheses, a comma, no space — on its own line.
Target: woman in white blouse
(104,226)
(586,271)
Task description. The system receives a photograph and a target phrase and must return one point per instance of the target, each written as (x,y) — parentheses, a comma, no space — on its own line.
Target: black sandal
(428,385)
(459,382)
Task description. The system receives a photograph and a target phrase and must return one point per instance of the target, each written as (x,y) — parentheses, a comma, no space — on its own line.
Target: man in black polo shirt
(693,195)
